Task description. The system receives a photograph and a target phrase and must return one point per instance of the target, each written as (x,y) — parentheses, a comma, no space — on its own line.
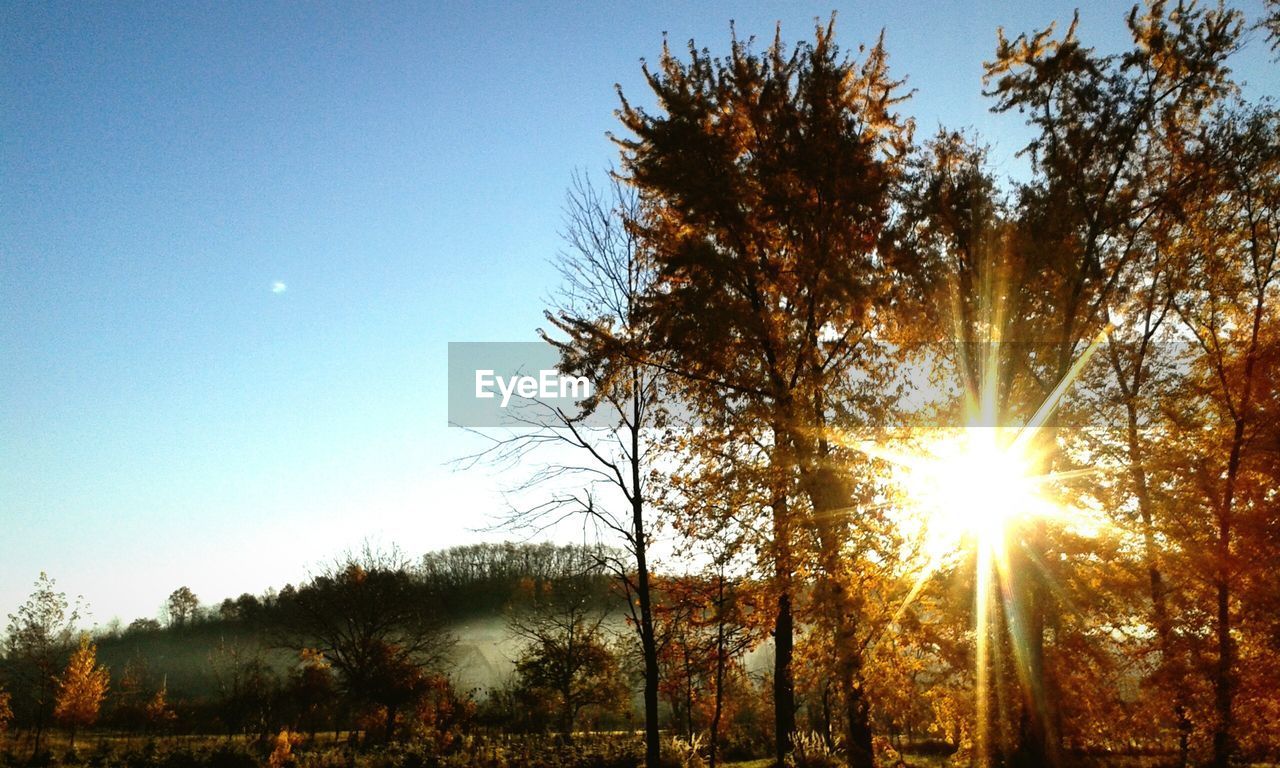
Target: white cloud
(279,287)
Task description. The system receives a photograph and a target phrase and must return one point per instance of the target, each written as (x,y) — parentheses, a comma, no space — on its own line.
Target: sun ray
(974,488)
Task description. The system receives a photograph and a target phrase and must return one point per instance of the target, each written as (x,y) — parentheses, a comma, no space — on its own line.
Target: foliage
(374,623)
(182,606)
(81,688)
(567,661)
(6,711)
(38,638)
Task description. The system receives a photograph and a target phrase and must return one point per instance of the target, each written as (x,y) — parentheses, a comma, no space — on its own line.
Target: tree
(246,687)
(374,622)
(765,187)
(1271,23)
(38,638)
(617,433)
(142,626)
(158,713)
(313,690)
(1231,263)
(1104,126)
(131,692)
(81,689)
(181,607)
(705,630)
(566,660)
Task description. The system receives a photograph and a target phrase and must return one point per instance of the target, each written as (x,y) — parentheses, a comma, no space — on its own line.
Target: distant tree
(392,680)
(38,639)
(158,713)
(81,689)
(374,622)
(313,690)
(130,694)
(443,715)
(246,688)
(244,608)
(567,661)
(142,626)
(181,607)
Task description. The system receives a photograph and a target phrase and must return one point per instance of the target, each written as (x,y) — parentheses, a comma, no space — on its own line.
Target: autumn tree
(37,641)
(181,607)
(158,713)
(374,622)
(705,627)
(81,689)
(764,181)
(1229,303)
(1103,124)
(313,691)
(567,660)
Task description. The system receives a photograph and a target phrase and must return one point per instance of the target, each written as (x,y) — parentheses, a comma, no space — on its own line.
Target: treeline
(363,645)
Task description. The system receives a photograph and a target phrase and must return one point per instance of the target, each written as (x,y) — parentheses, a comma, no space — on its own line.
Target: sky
(236,239)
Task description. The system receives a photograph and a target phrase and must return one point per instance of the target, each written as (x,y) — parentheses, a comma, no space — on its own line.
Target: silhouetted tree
(566,660)
(1104,124)
(247,688)
(764,186)
(615,438)
(38,640)
(374,622)
(181,607)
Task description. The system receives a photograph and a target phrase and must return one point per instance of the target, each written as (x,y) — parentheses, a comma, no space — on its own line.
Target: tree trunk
(721,663)
(784,692)
(784,689)
(648,638)
(35,748)
(391,722)
(831,503)
(1223,683)
(1036,747)
(1169,656)
(1223,689)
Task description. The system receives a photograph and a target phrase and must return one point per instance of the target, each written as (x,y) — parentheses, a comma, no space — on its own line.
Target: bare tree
(614,435)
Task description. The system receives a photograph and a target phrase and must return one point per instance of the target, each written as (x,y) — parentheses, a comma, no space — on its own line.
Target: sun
(970,487)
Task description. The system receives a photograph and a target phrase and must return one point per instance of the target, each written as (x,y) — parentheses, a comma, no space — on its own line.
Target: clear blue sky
(166,417)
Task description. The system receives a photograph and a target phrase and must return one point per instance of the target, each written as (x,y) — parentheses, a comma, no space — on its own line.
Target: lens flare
(971,487)
(976,491)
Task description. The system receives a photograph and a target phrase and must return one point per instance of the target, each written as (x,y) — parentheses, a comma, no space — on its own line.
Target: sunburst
(973,490)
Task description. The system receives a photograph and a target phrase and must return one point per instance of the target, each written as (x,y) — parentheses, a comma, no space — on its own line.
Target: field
(343,750)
